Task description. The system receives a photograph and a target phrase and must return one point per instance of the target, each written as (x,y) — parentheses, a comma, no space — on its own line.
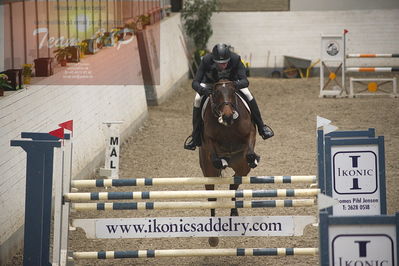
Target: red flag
(67,125)
(345,31)
(59,133)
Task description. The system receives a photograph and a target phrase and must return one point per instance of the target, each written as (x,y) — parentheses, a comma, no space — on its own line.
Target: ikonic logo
(363,260)
(356,172)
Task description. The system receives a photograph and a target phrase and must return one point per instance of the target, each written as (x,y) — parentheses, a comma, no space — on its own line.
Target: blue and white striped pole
(196,252)
(192,205)
(190,194)
(193,181)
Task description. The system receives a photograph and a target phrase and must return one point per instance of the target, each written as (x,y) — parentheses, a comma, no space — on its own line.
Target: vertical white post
(321,69)
(66,188)
(344,63)
(395,88)
(62,181)
(111,168)
(351,88)
(57,188)
(332,53)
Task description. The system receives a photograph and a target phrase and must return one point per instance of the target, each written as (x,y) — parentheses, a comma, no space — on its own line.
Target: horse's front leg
(252,158)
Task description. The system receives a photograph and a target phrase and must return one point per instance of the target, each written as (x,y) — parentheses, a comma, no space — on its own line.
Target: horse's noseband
(216,109)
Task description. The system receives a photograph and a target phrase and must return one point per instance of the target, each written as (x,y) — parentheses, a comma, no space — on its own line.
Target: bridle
(216,108)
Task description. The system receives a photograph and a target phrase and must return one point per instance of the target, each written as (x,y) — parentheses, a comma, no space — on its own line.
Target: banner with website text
(194,226)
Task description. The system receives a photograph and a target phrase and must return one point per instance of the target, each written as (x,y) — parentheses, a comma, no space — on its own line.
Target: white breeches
(198,98)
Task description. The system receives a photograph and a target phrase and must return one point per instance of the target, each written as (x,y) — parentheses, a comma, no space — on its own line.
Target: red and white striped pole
(372,55)
(372,69)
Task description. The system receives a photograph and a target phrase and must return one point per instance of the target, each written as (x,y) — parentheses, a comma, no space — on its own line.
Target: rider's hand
(206,91)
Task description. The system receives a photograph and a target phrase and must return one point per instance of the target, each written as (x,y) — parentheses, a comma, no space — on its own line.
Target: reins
(216,107)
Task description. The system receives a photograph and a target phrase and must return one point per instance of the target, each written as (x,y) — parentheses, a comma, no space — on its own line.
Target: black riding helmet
(221,53)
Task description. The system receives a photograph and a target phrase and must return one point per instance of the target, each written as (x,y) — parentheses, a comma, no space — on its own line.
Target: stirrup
(266,132)
(190,145)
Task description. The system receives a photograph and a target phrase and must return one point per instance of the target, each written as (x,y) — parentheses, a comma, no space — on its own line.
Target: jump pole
(195,252)
(190,194)
(333,49)
(193,181)
(371,55)
(192,205)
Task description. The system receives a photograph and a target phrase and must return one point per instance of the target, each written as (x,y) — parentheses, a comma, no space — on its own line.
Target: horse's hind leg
(209,171)
(211,187)
(213,241)
(234,211)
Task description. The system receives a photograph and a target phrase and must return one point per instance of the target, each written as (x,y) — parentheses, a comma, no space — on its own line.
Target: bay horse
(228,138)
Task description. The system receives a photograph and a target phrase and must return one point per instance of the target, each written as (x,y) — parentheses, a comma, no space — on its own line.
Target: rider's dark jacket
(208,72)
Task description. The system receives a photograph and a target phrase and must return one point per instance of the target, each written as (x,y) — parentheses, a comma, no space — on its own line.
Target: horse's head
(224,102)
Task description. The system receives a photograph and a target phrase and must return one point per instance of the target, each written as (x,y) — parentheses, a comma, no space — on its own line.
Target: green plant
(83,47)
(27,70)
(4,82)
(27,73)
(144,20)
(131,27)
(61,54)
(196,16)
(138,23)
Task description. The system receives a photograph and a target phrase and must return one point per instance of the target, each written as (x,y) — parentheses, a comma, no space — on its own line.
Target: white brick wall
(1,37)
(298,33)
(297,5)
(173,62)
(41,109)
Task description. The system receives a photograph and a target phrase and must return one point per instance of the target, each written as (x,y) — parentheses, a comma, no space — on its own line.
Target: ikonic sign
(363,249)
(357,181)
(359,241)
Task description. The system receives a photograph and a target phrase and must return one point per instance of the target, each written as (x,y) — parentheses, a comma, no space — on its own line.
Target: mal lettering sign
(355,176)
(111,169)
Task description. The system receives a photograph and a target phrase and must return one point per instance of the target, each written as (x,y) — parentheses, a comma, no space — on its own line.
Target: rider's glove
(205,91)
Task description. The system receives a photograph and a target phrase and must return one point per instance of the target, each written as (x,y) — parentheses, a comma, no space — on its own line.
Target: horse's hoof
(234,212)
(220,163)
(224,163)
(253,160)
(213,241)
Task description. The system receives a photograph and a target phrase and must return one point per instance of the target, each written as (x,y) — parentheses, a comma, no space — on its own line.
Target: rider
(221,64)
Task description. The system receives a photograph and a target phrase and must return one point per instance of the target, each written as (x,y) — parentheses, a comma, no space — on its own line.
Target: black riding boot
(264,130)
(195,139)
